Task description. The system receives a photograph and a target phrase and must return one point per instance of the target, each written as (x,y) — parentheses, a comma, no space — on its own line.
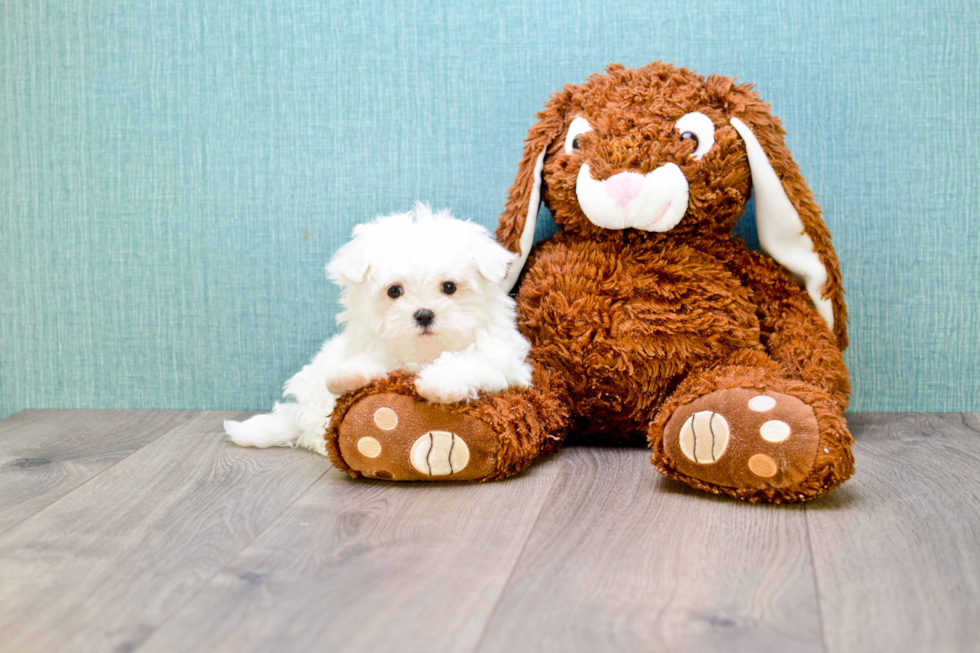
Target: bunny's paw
(395,437)
(743,438)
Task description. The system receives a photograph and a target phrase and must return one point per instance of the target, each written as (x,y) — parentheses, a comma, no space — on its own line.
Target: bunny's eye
(578,127)
(395,291)
(698,128)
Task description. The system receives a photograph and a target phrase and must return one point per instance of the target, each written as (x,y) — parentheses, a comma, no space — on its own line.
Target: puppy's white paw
(352,377)
(443,388)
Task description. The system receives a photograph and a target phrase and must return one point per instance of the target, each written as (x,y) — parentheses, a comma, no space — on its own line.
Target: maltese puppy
(422,292)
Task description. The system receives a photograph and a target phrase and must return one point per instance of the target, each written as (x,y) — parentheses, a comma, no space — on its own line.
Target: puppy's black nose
(424,317)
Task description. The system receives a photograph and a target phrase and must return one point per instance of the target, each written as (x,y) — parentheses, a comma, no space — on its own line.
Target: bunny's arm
(794,334)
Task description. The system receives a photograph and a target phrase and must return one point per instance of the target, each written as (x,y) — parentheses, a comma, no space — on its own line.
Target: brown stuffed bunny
(648,319)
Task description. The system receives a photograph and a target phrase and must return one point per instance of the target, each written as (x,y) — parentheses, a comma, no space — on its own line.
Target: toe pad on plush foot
(395,437)
(743,438)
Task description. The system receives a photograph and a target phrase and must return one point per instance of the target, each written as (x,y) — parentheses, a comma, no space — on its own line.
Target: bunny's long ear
(788,219)
(516,228)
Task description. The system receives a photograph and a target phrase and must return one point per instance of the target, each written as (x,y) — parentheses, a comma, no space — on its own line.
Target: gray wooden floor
(146,531)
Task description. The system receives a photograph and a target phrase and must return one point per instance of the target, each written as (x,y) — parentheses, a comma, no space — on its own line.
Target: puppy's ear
(492,260)
(350,264)
(516,228)
(791,229)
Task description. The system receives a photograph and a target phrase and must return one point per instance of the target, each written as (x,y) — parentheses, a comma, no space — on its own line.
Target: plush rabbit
(648,319)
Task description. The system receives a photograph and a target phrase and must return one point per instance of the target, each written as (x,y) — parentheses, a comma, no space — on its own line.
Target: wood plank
(45,454)
(368,566)
(897,550)
(623,559)
(102,567)
(191,544)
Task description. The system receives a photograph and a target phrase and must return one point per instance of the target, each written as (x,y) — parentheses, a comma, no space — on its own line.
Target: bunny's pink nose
(624,187)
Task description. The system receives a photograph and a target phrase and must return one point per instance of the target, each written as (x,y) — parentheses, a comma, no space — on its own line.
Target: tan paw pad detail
(369,447)
(385,418)
(440,453)
(396,437)
(762,465)
(774,431)
(761,403)
(704,437)
(743,438)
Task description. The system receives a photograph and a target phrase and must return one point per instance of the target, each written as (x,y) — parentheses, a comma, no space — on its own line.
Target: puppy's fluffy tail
(280,428)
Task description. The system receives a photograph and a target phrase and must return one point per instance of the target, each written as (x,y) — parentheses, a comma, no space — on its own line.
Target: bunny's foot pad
(395,437)
(743,438)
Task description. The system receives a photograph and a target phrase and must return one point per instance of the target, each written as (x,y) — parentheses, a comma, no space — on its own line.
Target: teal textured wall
(174,174)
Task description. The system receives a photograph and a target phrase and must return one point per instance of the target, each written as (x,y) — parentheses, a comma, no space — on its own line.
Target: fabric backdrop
(175,173)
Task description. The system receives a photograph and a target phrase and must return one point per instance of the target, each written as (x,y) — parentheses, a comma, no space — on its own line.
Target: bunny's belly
(627,321)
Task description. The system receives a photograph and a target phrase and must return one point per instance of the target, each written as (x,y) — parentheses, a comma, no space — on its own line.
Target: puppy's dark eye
(448,287)
(395,291)
(690,136)
(575,145)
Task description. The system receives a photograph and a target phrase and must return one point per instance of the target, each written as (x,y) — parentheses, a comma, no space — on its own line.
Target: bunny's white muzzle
(655,201)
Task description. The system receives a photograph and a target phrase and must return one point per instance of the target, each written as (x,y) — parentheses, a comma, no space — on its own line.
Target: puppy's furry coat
(421,292)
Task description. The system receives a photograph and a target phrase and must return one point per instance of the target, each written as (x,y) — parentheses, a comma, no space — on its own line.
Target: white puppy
(421,292)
